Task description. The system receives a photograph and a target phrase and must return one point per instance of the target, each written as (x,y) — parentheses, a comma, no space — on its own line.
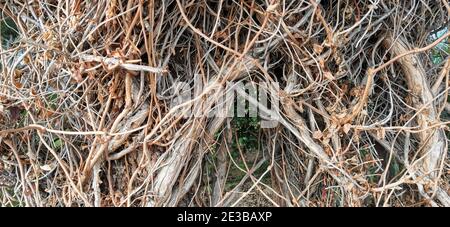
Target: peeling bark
(433,141)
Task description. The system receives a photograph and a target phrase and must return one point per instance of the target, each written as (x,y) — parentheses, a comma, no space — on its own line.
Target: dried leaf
(272,7)
(318,48)
(317,134)
(381,133)
(17,73)
(347,128)
(76,74)
(27,59)
(341,115)
(328,75)
(46,167)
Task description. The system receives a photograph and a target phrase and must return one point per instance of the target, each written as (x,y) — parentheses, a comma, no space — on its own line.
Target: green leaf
(57,144)
(442,49)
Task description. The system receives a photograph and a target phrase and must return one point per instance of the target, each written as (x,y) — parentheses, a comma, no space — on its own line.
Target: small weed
(442,50)
(57,144)
(52,101)
(247,139)
(394,168)
(372,174)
